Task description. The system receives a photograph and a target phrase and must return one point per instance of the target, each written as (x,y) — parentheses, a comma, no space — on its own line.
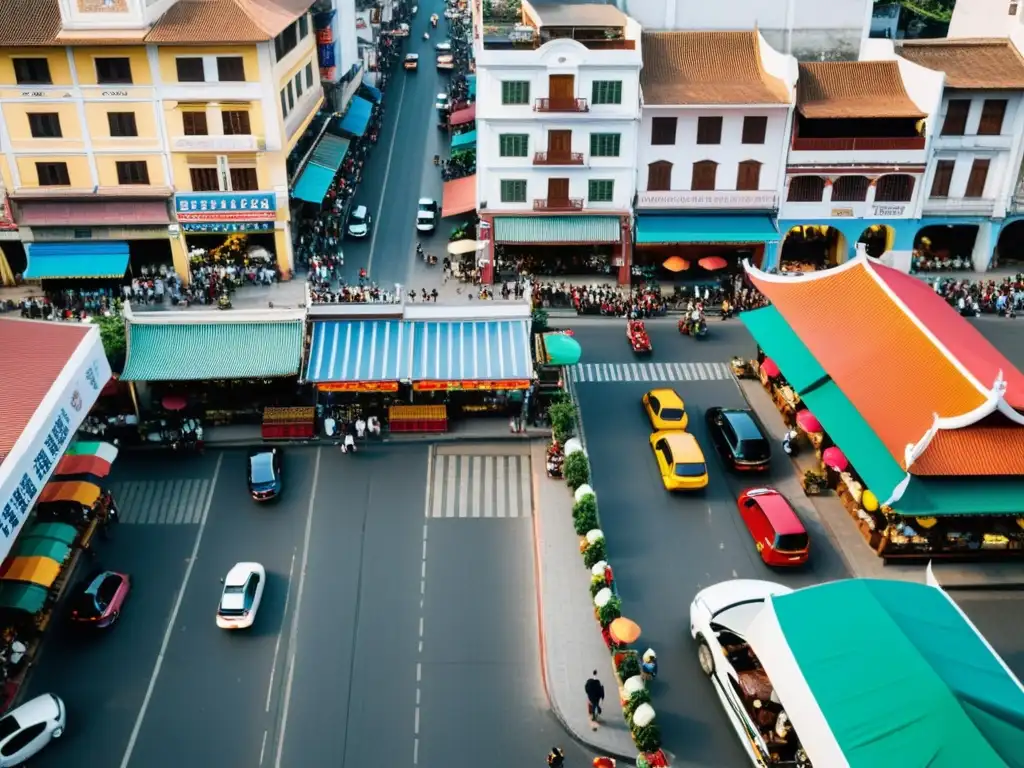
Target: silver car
(24,731)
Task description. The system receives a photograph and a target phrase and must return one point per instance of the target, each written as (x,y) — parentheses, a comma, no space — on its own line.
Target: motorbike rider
(696,315)
(556,758)
(426,35)
(649,667)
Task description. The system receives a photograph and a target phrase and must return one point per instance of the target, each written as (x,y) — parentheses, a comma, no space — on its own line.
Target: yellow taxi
(665,409)
(680,460)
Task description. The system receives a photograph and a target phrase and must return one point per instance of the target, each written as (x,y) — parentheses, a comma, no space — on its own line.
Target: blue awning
(50,261)
(471,350)
(471,80)
(319,172)
(354,350)
(728,228)
(464,140)
(357,117)
(371,89)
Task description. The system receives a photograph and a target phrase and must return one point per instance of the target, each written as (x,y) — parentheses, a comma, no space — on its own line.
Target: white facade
(986,18)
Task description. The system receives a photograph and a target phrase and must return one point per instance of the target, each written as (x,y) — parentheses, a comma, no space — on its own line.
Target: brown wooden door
(561,88)
(558,190)
(559,143)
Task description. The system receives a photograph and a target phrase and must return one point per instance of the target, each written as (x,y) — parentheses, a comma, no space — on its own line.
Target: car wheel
(705,657)
(57,732)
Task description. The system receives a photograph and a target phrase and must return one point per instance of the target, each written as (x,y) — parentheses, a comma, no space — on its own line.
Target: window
(806,189)
(114,70)
(236,123)
(291,98)
(709,130)
(44,125)
(600,190)
(992,114)
(284,102)
(107,590)
(298,85)
(53,174)
(309,75)
(513,144)
(32,72)
(21,740)
(943,178)
(190,69)
(850,189)
(894,188)
(663,131)
(230,69)
(955,123)
(303,27)
(754,129)
(194,123)
(204,179)
(606,92)
(244,180)
(515,92)
(704,172)
(133,172)
(659,176)
(122,124)
(748,176)
(604,144)
(1013,9)
(979,175)
(513,191)
(285,42)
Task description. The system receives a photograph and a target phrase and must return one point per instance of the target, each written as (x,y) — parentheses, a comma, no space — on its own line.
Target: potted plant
(609,612)
(646,737)
(563,420)
(814,482)
(630,667)
(584,515)
(594,552)
(576,470)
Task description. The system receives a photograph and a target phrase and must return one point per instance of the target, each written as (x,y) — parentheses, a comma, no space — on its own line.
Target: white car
(359,222)
(441,101)
(24,731)
(243,591)
(445,47)
(719,619)
(426,215)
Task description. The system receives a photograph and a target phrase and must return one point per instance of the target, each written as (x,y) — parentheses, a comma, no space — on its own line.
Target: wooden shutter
(663,131)
(754,129)
(704,172)
(955,123)
(850,189)
(659,176)
(979,175)
(748,177)
(806,189)
(709,130)
(943,178)
(992,114)
(558,190)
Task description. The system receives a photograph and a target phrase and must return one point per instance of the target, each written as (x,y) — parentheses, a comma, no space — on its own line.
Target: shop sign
(358,386)
(228,227)
(470,385)
(226,206)
(215,143)
(888,211)
(707,200)
(842,213)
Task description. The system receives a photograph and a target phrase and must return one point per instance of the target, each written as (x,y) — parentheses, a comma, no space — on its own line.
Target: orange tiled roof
(853,89)
(225,21)
(28,22)
(980,63)
(707,68)
(974,451)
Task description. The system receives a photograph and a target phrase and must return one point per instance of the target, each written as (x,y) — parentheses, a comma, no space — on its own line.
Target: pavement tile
(571,638)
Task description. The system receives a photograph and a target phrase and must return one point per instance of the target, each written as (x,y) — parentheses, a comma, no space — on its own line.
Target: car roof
(742,422)
(360,211)
(239,573)
(720,596)
(777,509)
(37,710)
(684,446)
(254,452)
(412,56)
(425,201)
(667,396)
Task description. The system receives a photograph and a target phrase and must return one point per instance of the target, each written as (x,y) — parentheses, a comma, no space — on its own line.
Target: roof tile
(979,63)
(225,21)
(29,22)
(974,451)
(831,89)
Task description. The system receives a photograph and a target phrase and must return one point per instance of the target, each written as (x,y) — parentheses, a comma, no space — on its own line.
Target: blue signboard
(226,206)
(229,227)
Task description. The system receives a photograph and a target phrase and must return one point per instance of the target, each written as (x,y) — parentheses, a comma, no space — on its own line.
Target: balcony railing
(860,144)
(561,105)
(979,205)
(569,204)
(558,158)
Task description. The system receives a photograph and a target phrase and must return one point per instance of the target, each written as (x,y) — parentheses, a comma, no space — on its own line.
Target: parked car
(98,601)
(26,730)
(778,533)
(265,475)
(443,47)
(359,222)
(680,461)
(241,596)
(665,409)
(426,215)
(738,438)
(441,102)
(412,62)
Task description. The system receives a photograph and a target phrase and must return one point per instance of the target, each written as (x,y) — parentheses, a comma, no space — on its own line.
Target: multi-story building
(131,129)
(557,116)
(714,133)
(985,18)
(857,158)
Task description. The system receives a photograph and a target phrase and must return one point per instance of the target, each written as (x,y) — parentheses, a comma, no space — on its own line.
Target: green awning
(939,496)
(728,228)
(22,596)
(780,342)
(562,349)
(36,546)
(213,351)
(61,532)
(556,229)
(465,140)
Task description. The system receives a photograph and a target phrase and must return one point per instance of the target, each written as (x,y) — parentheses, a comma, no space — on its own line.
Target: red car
(778,534)
(99,600)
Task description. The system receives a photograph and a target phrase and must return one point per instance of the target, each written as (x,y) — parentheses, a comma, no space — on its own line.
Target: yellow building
(145,128)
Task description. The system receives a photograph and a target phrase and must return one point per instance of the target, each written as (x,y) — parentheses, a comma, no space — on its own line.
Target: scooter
(349,444)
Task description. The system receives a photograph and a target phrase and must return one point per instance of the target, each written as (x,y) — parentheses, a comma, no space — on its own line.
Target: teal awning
(52,261)
(213,351)
(371,89)
(779,342)
(471,81)
(464,140)
(736,229)
(321,169)
(357,118)
(556,229)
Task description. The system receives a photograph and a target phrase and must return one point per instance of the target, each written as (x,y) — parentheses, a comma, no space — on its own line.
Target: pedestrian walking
(595,695)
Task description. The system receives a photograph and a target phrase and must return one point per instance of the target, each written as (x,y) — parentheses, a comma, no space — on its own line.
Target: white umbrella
(583,491)
(461,246)
(573,445)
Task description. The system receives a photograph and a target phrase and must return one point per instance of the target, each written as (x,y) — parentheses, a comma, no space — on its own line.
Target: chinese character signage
(454,386)
(229,227)
(358,386)
(225,206)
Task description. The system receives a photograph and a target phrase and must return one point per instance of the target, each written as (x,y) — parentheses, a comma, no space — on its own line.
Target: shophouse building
(717,112)
(557,119)
(858,153)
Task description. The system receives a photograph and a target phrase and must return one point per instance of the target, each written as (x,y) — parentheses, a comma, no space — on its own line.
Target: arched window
(748,176)
(659,176)
(895,188)
(806,189)
(704,173)
(850,189)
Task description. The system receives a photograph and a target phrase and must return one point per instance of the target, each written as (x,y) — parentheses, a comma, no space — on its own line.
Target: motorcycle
(349,444)
(696,329)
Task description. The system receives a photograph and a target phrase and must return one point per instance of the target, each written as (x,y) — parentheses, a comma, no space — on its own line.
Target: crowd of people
(326,292)
(1003,296)
(646,301)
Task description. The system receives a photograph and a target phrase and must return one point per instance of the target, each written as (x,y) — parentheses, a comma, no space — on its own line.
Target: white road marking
(174,618)
(427,500)
(277,645)
(263,749)
(387,174)
(294,632)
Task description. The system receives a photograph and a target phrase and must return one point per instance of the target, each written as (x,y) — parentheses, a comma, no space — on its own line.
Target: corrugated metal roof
(556,229)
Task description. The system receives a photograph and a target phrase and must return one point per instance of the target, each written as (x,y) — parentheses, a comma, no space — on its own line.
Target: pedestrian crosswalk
(161,502)
(472,486)
(608,372)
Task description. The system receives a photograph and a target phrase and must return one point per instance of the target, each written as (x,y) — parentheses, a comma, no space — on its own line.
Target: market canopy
(463,116)
(562,349)
(98,463)
(213,351)
(34,570)
(736,229)
(19,596)
(471,82)
(99,449)
(358,351)
(357,118)
(466,140)
(76,260)
(71,491)
(62,532)
(372,89)
(42,547)
(458,196)
(540,230)
(878,673)
(323,165)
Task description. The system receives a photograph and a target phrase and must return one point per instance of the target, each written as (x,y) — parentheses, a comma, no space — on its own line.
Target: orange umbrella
(712,263)
(624,631)
(676,264)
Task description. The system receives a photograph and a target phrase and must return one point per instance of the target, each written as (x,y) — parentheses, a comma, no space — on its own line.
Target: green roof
(556,229)
(212,351)
(780,342)
(901,676)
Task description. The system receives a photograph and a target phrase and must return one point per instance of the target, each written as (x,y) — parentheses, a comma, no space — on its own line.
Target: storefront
(315,179)
(952,243)
(12,251)
(821,243)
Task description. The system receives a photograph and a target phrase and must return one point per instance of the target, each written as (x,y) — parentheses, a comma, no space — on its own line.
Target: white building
(557,116)
(714,134)
(807,29)
(985,18)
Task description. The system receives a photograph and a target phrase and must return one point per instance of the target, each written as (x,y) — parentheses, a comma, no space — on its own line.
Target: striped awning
(358,350)
(471,350)
(556,229)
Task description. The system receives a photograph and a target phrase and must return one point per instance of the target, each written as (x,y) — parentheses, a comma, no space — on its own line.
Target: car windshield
(690,470)
(233,601)
(261,468)
(672,414)
(85,607)
(754,450)
(8,726)
(791,542)
(358,218)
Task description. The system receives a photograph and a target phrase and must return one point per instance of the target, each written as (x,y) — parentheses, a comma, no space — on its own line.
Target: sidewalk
(860,560)
(571,645)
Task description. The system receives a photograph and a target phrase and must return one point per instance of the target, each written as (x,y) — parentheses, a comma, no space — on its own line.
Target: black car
(265,473)
(738,438)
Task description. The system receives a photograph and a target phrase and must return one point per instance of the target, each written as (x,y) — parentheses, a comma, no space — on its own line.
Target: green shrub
(576,470)
(563,420)
(540,320)
(648,738)
(596,585)
(609,612)
(584,515)
(629,667)
(635,699)
(594,553)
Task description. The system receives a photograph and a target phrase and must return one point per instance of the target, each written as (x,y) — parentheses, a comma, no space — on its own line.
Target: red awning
(459,196)
(86,213)
(463,116)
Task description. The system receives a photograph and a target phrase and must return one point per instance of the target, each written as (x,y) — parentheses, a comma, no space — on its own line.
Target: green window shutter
(515,92)
(606,92)
(604,144)
(513,191)
(601,190)
(513,144)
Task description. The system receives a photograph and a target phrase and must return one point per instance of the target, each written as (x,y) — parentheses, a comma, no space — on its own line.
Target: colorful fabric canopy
(104,451)
(19,596)
(86,494)
(562,349)
(35,570)
(42,547)
(62,532)
(82,465)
